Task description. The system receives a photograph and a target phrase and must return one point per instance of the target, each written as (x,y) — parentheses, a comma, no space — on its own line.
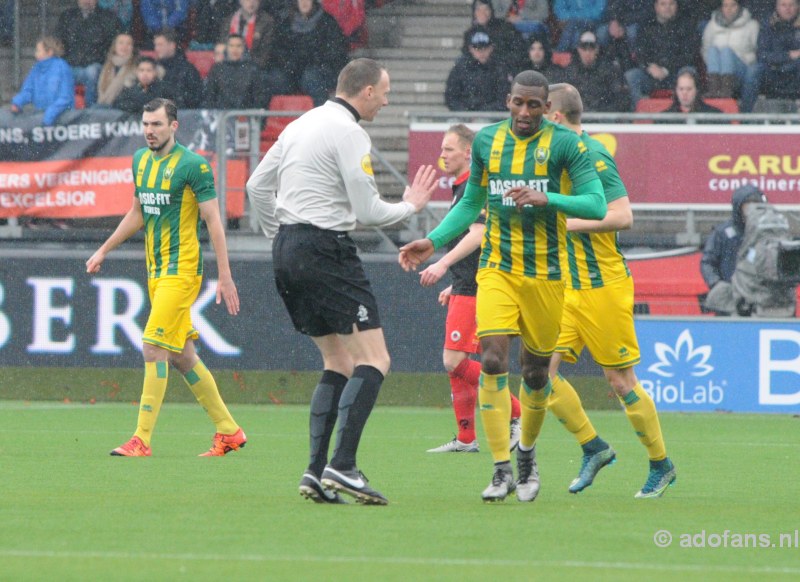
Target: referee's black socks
(324,410)
(355,405)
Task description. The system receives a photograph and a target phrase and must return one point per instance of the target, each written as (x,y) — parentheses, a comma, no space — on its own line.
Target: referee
(312,187)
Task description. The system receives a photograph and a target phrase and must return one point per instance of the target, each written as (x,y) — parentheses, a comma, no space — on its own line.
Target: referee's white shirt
(319,173)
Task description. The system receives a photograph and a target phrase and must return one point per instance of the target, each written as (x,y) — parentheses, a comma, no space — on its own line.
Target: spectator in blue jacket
(49,87)
(161,15)
(576,16)
(779,51)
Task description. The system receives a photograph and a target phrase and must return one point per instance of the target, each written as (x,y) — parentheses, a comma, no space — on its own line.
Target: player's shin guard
(153,390)
(356,403)
(324,410)
(534,409)
(566,405)
(494,398)
(641,412)
(201,383)
(464,388)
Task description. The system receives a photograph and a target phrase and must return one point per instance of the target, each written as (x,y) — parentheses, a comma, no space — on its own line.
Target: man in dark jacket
(478,81)
(147,87)
(719,254)
(87,32)
(236,82)
(779,51)
(663,45)
(599,81)
(182,80)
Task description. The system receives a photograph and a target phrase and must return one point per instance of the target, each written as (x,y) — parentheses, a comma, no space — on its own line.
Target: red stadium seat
(80,97)
(661,94)
(562,59)
(651,105)
(202,61)
(726,105)
(275,125)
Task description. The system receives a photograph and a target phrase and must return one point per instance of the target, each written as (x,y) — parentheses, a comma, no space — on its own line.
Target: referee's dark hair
(356,75)
(168,105)
(566,99)
(531,79)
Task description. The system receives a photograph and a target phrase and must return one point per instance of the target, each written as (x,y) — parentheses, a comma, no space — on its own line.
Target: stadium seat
(275,125)
(726,105)
(661,94)
(562,59)
(80,97)
(202,61)
(651,105)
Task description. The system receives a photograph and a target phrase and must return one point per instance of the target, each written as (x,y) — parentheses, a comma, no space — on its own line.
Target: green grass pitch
(68,511)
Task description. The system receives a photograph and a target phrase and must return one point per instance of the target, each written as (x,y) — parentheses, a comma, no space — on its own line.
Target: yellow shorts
(517,305)
(170,321)
(602,320)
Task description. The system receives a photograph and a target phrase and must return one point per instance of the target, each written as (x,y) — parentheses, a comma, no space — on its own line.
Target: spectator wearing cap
(599,80)
(479,81)
(575,16)
(509,46)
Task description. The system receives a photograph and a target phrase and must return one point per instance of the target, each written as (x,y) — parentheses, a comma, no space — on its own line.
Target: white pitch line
(396,561)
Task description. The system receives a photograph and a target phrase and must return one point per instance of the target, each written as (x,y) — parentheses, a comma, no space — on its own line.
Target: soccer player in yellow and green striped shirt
(598,314)
(521,168)
(174,190)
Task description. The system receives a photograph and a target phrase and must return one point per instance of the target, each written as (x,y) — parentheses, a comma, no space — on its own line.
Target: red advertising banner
(81,168)
(660,164)
(66,188)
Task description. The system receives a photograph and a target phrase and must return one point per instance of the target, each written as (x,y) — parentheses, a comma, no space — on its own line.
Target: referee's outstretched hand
(415,253)
(421,189)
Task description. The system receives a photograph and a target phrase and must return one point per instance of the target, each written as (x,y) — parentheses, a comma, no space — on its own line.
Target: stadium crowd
(618,52)
(240,53)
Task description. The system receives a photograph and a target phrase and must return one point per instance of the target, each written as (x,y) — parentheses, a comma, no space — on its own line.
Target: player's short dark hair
(465,134)
(145,59)
(531,79)
(356,75)
(567,100)
(235,35)
(168,34)
(169,107)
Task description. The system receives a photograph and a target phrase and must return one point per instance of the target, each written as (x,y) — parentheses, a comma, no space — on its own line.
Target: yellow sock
(534,408)
(495,406)
(641,411)
(202,384)
(566,405)
(153,390)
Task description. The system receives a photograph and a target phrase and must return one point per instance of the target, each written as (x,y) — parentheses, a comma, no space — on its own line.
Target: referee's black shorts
(322,282)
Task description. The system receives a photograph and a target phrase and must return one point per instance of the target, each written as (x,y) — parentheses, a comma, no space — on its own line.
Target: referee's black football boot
(352,482)
(312,489)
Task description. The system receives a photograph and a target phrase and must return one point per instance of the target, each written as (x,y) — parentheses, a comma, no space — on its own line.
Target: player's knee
(493,363)
(535,376)
(452,360)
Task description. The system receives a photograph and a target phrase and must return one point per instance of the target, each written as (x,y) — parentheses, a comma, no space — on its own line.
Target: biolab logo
(676,372)
(684,355)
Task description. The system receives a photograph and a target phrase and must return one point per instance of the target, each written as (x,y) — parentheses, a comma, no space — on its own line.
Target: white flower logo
(683,352)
